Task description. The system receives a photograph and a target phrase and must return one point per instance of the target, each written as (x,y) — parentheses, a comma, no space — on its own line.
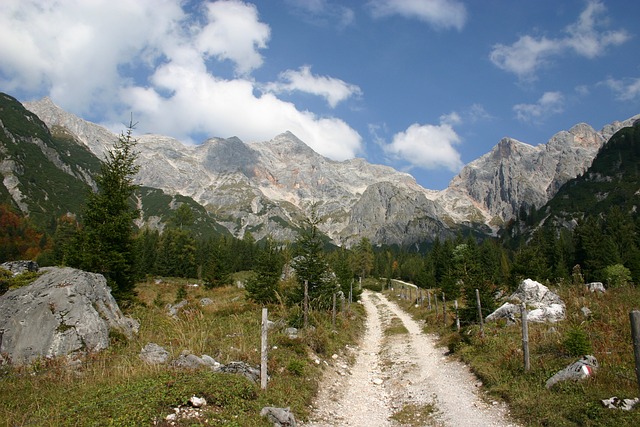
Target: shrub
(577,342)
(617,275)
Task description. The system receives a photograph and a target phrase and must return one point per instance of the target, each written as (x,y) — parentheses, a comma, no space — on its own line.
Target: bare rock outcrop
(547,305)
(63,311)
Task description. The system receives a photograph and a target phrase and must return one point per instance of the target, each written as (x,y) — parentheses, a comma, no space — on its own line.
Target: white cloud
(234,32)
(584,37)
(428,146)
(322,12)
(439,13)
(332,89)
(150,58)
(550,103)
(625,89)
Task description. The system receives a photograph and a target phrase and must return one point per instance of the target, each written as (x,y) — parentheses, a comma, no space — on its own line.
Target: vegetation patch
(415,415)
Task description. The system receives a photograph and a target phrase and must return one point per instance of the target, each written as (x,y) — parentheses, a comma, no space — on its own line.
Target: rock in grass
(154,354)
(64,311)
(581,369)
(280,417)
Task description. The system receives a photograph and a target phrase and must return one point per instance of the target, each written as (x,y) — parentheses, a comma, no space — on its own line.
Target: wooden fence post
(264,350)
(429,298)
(480,313)
(525,337)
(455,304)
(444,310)
(634,317)
(333,317)
(435,299)
(306,304)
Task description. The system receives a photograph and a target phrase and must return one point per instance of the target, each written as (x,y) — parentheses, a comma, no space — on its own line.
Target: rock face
(548,307)
(266,187)
(63,311)
(514,175)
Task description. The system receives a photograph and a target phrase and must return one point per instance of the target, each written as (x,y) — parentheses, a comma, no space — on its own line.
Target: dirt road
(401,378)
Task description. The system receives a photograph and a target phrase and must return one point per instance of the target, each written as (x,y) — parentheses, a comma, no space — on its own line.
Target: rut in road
(400,378)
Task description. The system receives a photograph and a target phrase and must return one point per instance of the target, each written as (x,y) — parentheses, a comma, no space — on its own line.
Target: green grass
(115,388)
(497,358)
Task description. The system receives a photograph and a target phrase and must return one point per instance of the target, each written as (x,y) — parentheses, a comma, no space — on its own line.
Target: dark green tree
(262,286)
(106,239)
(311,266)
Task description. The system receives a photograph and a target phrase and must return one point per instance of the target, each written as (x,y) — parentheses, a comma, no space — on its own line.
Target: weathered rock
(583,368)
(292,333)
(62,312)
(596,287)
(154,354)
(173,309)
(210,361)
(243,369)
(186,360)
(280,417)
(205,302)
(18,267)
(548,307)
(617,403)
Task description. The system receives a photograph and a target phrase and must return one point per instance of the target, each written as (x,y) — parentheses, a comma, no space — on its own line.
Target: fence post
(333,317)
(525,337)
(480,313)
(306,304)
(444,310)
(435,299)
(264,350)
(634,317)
(429,298)
(455,304)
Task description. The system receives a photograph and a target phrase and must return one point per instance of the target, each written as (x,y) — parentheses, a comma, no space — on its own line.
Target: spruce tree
(106,239)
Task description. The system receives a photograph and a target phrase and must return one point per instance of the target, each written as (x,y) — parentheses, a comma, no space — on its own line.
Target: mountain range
(267,188)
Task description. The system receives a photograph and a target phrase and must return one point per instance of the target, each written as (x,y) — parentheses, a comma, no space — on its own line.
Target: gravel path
(400,378)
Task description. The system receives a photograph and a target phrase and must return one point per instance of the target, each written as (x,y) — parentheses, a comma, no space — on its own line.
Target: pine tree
(106,239)
(262,287)
(311,266)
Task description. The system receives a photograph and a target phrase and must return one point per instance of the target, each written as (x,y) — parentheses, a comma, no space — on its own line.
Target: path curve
(394,372)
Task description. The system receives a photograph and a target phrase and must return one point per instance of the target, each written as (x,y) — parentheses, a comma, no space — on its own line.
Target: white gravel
(402,369)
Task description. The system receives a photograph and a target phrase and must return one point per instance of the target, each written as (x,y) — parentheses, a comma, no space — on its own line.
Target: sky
(424,86)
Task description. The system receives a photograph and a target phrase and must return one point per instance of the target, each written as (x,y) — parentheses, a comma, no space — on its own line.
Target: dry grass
(115,387)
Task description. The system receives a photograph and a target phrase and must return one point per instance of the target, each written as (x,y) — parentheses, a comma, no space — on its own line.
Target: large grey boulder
(547,305)
(63,311)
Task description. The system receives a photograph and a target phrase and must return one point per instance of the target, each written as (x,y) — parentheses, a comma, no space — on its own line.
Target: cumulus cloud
(549,103)
(584,37)
(234,32)
(332,89)
(152,58)
(439,13)
(428,146)
(625,89)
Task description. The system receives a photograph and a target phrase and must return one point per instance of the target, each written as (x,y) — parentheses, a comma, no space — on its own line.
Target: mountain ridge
(267,187)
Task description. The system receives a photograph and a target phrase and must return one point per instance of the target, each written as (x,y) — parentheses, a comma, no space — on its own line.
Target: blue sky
(425,86)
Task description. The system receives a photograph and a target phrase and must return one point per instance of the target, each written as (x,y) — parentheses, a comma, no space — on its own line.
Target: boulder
(583,368)
(242,368)
(547,306)
(617,403)
(280,417)
(205,302)
(154,354)
(596,287)
(64,311)
(18,267)
(173,309)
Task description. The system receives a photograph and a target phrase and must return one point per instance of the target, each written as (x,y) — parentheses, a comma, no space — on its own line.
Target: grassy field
(497,358)
(115,388)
